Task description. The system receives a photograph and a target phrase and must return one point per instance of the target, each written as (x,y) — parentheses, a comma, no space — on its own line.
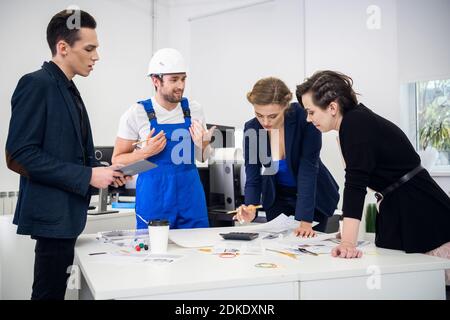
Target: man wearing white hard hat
(172,128)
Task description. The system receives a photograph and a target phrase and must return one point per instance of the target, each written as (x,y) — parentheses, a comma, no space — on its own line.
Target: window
(432,104)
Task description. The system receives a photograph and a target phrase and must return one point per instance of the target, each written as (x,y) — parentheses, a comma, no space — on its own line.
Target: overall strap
(185,107)
(148,106)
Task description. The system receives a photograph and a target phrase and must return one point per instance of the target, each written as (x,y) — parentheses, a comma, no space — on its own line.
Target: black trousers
(285,202)
(52,259)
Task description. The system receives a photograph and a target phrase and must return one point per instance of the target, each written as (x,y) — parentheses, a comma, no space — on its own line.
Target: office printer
(223,178)
(223,182)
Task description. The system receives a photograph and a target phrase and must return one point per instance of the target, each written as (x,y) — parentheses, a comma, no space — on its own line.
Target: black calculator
(239,235)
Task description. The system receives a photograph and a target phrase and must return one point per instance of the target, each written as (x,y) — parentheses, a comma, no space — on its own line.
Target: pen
(303,250)
(235,211)
(96,253)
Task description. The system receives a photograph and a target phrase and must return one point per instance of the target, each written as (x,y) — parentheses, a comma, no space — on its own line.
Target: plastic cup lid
(158,223)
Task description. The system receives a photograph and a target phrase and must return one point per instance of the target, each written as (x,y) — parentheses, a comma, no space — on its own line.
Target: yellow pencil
(142,141)
(138,142)
(289,254)
(235,211)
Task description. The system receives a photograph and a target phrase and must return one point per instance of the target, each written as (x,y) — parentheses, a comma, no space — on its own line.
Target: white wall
(227,58)
(228,46)
(443,180)
(124,32)
(423,39)
(338,38)
(178,33)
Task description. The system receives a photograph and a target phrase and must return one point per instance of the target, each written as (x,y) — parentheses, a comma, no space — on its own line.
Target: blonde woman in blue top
(288,176)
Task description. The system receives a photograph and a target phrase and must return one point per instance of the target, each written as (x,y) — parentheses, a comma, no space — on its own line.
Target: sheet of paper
(280,224)
(241,247)
(129,256)
(196,238)
(208,237)
(323,244)
(117,235)
(292,240)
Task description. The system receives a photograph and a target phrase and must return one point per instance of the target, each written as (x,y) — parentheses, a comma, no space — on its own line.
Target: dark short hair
(59,28)
(328,86)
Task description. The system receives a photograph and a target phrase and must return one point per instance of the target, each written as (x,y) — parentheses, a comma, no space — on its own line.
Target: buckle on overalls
(186,113)
(151,115)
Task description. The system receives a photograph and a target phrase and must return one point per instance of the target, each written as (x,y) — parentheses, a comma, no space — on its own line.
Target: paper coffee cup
(158,232)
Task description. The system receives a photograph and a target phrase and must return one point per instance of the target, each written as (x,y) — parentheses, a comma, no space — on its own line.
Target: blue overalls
(172,190)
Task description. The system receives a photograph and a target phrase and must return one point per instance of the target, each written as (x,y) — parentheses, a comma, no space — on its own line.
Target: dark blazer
(45,147)
(316,187)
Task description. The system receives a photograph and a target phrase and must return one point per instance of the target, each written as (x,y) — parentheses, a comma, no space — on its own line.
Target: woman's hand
(200,136)
(349,237)
(346,250)
(245,213)
(305,230)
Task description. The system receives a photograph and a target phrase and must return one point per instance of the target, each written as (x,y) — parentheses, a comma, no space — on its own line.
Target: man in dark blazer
(50,145)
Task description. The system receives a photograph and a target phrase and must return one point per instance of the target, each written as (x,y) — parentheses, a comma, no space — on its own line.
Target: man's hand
(304,230)
(154,145)
(102,177)
(200,136)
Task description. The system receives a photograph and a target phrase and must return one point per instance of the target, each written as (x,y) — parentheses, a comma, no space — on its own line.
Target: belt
(380,195)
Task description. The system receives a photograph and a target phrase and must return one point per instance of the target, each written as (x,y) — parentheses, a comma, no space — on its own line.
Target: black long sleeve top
(376,153)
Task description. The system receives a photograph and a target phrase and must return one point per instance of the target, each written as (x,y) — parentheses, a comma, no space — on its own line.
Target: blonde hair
(270,91)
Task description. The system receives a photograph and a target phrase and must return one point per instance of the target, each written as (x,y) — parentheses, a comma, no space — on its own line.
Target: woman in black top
(415,216)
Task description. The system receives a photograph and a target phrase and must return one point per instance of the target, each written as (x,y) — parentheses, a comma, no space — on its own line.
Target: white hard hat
(166,61)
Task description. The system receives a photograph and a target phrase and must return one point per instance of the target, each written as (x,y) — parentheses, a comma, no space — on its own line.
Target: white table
(17,251)
(379,274)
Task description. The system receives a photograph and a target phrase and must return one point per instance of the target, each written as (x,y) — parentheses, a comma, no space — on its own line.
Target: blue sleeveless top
(284,176)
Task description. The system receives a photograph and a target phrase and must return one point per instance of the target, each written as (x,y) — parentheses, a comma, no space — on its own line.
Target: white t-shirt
(134,124)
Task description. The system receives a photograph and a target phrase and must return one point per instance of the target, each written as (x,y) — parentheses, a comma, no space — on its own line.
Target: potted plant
(371,214)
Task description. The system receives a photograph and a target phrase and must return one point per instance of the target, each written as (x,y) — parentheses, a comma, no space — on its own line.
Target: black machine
(247,236)
(104,155)
(222,180)
(223,136)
